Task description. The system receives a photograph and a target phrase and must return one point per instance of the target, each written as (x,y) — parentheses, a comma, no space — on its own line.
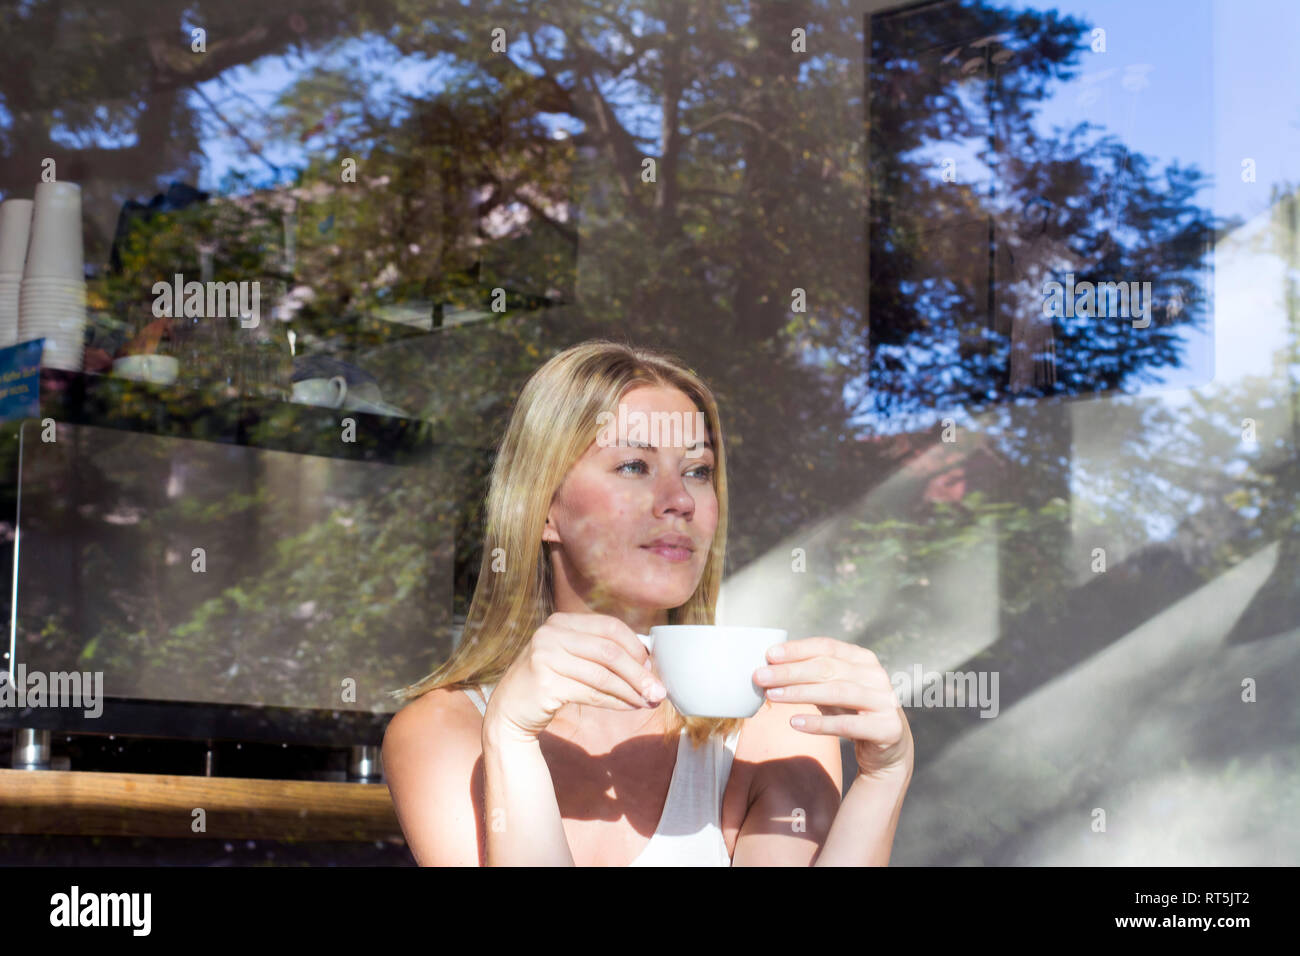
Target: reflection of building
(1255,269)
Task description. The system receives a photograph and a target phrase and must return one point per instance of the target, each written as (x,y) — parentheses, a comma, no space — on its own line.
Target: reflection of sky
(249,92)
(1224,85)
(1221,84)
(253,90)
(1152,88)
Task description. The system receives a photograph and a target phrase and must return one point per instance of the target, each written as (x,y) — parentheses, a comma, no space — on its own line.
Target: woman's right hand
(572,658)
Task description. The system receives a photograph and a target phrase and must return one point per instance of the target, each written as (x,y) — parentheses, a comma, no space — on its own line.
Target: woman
(545,739)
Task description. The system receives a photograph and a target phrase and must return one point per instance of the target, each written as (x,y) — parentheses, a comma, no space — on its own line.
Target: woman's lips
(670,553)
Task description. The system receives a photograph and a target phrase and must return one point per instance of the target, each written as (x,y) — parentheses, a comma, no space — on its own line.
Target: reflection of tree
(1172,492)
(702,260)
(412,226)
(286,604)
(957,276)
(80,75)
(1182,469)
(342,597)
(760,189)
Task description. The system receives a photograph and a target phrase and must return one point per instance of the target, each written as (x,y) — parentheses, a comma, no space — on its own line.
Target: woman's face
(618,501)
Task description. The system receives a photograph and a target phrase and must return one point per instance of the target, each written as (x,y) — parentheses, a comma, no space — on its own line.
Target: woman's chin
(662,598)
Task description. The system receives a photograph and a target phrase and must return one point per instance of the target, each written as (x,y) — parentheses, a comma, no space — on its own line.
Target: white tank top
(690,830)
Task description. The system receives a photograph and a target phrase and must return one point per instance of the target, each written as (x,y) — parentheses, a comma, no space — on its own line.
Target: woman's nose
(675,496)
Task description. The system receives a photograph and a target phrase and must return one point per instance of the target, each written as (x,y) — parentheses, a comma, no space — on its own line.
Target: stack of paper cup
(15,227)
(52,300)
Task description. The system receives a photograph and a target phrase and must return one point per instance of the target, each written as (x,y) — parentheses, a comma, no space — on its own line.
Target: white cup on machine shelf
(55,249)
(15,230)
(52,296)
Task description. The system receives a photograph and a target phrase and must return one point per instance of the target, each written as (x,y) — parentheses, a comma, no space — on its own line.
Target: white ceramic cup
(161,369)
(329,392)
(708,669)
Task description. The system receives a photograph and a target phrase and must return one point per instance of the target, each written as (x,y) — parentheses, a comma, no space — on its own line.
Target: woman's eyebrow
(640,444)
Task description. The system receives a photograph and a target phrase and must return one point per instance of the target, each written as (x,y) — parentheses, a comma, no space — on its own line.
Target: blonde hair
(553,423)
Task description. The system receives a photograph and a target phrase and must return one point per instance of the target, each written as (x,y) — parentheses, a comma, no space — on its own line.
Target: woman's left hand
(853,693)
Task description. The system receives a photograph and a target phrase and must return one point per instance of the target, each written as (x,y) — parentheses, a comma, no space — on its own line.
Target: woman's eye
(703,472)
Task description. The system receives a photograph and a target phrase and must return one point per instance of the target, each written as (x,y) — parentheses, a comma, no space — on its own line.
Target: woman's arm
(794,791)
(524,826)
(853,698)
(862,833)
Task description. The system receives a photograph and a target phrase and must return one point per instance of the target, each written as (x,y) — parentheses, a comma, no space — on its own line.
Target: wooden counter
(134,804)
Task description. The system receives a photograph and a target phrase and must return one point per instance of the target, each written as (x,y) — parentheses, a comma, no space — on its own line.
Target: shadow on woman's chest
(631,780)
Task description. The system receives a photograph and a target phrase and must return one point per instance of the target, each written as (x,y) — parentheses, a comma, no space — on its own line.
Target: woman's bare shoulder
(430,750)
(444,711)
